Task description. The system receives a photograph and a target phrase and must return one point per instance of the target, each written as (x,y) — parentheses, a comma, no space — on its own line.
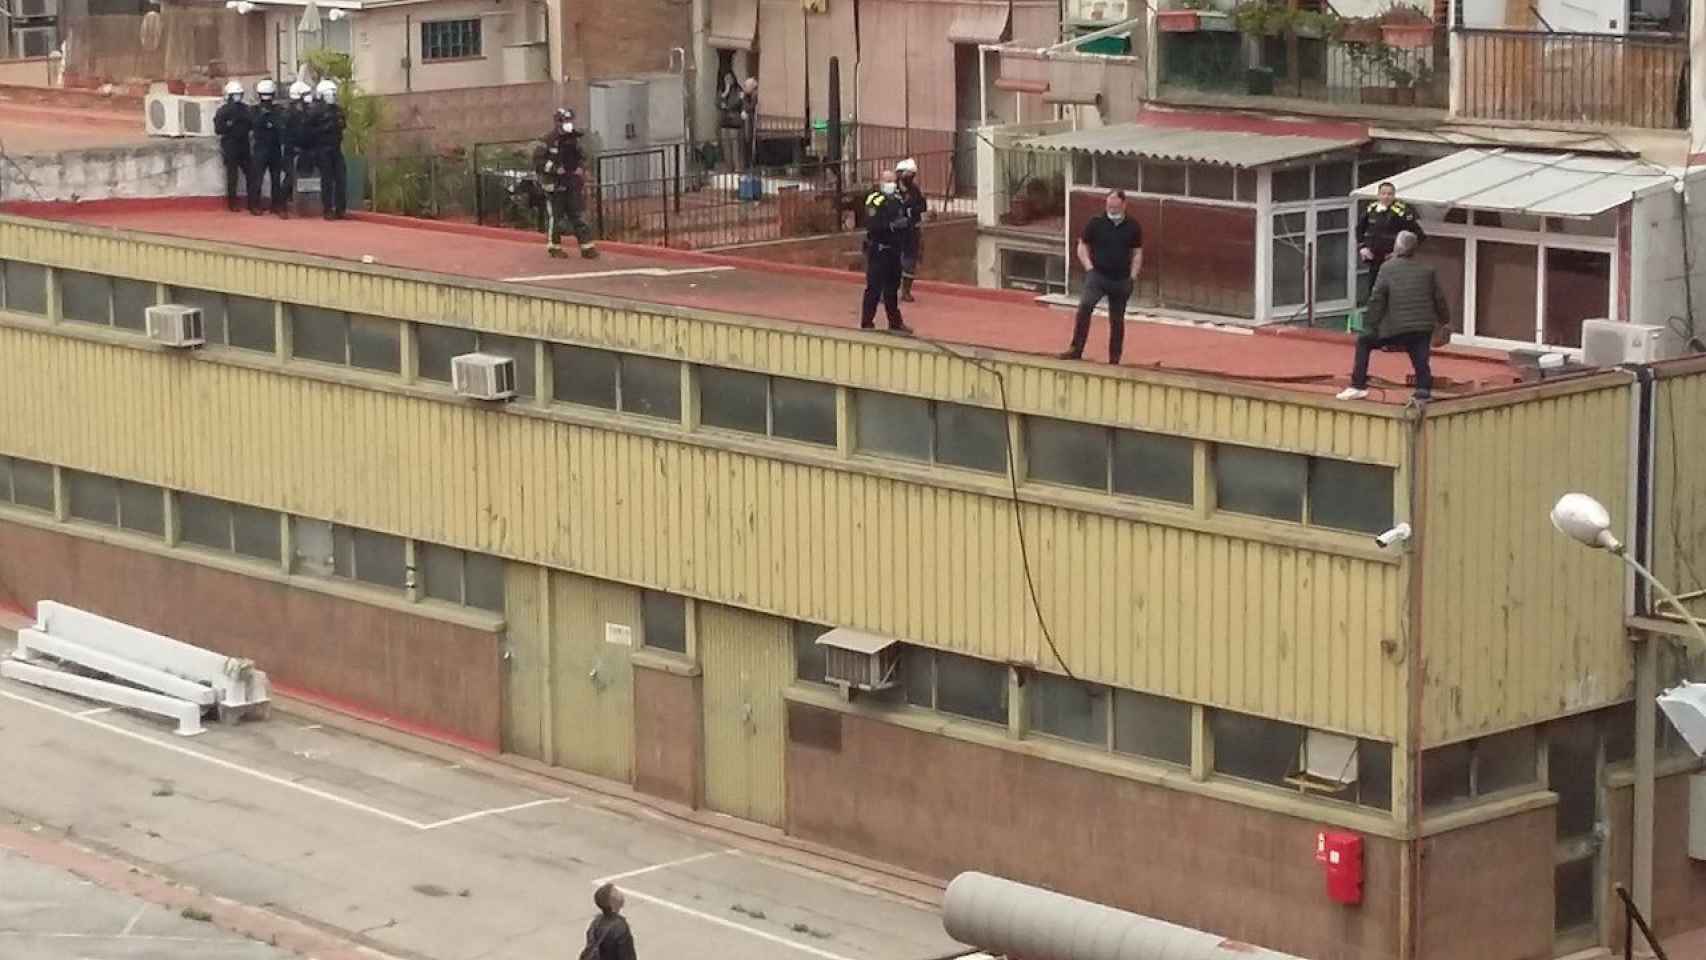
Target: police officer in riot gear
(326,124)
(913,203)
(295,141)
(233,122)
(560,163)
(886,224)
(1379,226)
(269,121)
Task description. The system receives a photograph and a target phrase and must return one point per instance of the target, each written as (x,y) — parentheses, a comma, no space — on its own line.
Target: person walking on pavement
(1111,252)
(234,122)
(1379,226)
(269,121)
(294,141)
(327,130)
(913,202)
(886,224)
(1407,309)
(561,165)
(608,938)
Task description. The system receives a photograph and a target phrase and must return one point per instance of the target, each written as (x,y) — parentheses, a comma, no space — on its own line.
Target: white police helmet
(908,165)
(265,89)
(233,91)
(300,90)
(327,91)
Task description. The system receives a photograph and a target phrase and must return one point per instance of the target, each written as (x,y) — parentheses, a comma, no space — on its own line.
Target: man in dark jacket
(885,233)
(233,122)
(1408,310)
(1379,226)
(297,158)
(1111,253)
(560,164)
(269,120)
(608,938)
(912,201)
(326,129)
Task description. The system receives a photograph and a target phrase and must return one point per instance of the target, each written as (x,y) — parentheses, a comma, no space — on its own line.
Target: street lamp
(1586,521)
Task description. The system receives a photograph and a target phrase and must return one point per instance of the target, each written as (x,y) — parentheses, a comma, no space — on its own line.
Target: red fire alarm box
(1340,856)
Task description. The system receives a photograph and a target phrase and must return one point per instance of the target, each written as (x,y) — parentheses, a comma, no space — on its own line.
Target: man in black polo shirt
(1111,251)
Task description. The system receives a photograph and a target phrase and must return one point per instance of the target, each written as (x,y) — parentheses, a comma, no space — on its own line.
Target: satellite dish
(151,30)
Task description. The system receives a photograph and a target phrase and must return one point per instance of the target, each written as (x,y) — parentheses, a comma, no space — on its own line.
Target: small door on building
(1574,763)
(594,627)
(526,676)
(748,660)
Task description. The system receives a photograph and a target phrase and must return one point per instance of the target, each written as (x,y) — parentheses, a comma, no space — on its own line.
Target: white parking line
(222,763)
(721,922)
(664,866)
(548,801)
(133,918)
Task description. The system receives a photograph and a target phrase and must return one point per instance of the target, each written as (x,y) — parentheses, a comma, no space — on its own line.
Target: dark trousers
(1417,345)
(238,161)
(911,246)
(334,199)
(270,167)
(1118,292)
(1373,275)
(287,184)
(565,212)
(882,282)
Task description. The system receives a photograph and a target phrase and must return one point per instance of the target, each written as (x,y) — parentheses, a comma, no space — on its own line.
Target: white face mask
(887,187)
(568,128)
(1116,215)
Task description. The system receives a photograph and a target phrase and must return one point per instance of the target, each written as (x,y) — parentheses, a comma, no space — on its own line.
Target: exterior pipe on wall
(1004,917)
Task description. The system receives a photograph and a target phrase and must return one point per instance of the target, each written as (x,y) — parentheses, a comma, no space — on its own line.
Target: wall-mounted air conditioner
(1607,343)
(34,41)
(483,376)
(196,115)
(175,325)
(31,9)
(854,660)
(161,116)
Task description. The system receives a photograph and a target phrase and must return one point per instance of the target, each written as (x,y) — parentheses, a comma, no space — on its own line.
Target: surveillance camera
(1394,536)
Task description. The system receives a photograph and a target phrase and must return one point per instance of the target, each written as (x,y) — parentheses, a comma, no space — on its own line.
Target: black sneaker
(1069,355)
(900,329)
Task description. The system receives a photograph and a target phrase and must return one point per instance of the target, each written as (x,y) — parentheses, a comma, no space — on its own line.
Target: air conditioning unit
(161,115)
(1330,758)
(196,115)
(30,9)
(854,660)
(34,41)
(175,325)
(483,376)
(1607,343)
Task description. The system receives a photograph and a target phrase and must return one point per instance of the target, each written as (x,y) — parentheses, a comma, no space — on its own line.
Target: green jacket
(1407,298)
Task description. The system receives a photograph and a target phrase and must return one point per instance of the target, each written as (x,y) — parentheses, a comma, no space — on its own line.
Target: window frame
(1306,514)
(1110,449)
(464,33)
(934,456)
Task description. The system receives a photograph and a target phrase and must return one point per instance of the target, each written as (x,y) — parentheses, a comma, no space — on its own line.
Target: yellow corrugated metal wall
(1131,603)
(592,707)
(748,660)
(1519,624)
(527,677)
(1679,498)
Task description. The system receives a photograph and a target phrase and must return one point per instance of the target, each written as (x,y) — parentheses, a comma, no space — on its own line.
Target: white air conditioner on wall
(161,115)
(1607,343)
(175,325)
(30,9)
(196,115)
(855,660)
(483,376)
(34,41)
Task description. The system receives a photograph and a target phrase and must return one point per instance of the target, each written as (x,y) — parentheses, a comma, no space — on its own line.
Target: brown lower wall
(440,678)
(667,736)
(1679,883)
(949,251)
(1486,890)
(942,806)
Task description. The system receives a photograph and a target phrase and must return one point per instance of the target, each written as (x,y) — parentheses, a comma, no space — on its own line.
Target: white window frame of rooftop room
(1433,220)
(1267,209)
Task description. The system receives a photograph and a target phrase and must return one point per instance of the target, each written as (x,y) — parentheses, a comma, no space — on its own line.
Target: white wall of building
(380,41)
(1657,290)
(161,168)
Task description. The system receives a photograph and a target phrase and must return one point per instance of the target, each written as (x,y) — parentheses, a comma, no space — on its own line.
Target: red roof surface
(1305,361)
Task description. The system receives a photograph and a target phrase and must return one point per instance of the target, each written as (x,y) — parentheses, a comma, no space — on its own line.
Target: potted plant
(1315,24)
(1359,30)
(1258,18)
(1181,16)
(1021,208)
(1406,27)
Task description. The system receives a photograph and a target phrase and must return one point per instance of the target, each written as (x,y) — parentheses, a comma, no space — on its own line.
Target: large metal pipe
(1004,917)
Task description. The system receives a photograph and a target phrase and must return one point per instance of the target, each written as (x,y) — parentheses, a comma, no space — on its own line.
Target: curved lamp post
(1586,521)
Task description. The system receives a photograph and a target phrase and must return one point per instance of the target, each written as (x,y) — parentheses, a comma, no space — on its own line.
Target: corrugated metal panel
(592,713)
(1545,184)
(1520,624)
(527,678)
(1234,148)
(1129,603)
(1679,498)
(748,659)
(1214,409)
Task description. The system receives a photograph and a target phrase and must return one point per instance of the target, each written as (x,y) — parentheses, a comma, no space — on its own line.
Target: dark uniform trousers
(565,211)
(240,161)
(882,282)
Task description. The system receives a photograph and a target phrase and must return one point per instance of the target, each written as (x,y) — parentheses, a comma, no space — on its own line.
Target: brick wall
(440,119)
(950,251)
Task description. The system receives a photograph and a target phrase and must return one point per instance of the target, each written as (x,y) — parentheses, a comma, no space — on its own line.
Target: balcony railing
(1587,78)
(1323,69)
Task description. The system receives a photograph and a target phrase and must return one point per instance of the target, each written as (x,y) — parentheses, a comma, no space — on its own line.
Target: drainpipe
(408,53)
(1641,422)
